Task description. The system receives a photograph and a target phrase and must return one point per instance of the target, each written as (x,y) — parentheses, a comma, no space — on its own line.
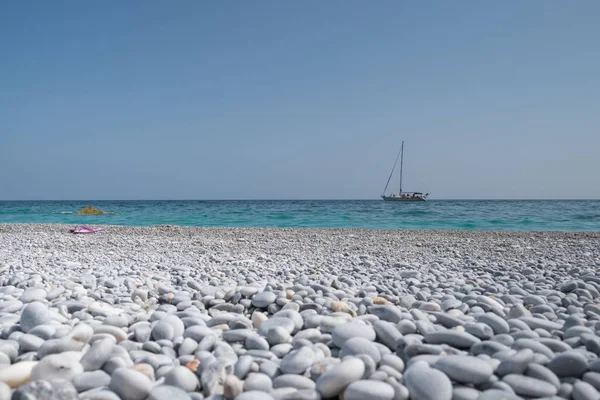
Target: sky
(299,100)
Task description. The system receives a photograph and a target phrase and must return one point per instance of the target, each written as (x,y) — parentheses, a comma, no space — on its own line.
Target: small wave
(586,217)
(63,212)
(280,217)
(527,222)
(420,213)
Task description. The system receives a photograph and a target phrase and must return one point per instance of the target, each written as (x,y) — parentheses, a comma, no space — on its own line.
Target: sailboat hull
(405,199)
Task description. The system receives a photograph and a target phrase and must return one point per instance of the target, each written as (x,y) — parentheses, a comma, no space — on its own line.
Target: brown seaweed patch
(89,210)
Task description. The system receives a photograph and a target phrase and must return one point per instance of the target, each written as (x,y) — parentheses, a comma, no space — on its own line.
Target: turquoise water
(529,215)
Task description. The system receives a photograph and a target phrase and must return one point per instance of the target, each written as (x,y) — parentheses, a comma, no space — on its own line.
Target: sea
(501,215)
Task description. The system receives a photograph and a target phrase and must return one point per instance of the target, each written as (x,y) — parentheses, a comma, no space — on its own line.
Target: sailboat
(402,196)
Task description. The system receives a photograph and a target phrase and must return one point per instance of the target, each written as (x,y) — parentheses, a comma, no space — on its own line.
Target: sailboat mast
(401,164)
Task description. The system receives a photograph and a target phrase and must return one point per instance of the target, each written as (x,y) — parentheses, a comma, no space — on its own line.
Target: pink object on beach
(86,229)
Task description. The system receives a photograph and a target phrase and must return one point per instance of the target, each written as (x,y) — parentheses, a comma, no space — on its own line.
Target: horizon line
(331,199)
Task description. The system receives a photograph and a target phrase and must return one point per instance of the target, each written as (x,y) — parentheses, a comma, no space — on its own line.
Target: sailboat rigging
(402,196)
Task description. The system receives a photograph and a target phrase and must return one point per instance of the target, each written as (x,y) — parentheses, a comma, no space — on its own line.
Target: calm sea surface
(528,215)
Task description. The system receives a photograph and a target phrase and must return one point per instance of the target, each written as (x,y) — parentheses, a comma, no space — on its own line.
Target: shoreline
(166,228)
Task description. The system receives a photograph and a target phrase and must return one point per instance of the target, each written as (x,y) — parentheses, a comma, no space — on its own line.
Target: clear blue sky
(305,99)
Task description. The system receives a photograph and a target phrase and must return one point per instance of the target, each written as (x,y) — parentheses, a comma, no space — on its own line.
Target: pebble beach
(174,313)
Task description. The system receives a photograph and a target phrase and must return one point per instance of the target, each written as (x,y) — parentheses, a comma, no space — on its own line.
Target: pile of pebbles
(251,314)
